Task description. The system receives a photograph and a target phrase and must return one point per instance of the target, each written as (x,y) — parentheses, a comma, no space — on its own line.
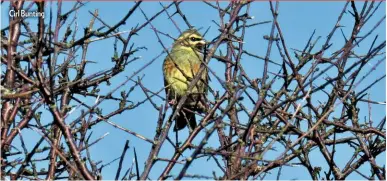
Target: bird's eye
(195,39)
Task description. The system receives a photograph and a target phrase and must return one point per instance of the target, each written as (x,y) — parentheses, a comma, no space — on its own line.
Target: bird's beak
(201,44)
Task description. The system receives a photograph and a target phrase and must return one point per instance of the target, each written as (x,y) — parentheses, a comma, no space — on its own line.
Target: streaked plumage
(179,68)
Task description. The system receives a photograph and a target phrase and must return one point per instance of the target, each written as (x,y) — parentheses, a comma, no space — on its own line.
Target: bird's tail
(183,118)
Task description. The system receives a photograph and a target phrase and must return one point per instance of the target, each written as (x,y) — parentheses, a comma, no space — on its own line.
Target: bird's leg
(172,102)
(204,102)
(200,102)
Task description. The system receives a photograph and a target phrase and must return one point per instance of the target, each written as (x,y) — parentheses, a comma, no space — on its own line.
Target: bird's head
(190,38)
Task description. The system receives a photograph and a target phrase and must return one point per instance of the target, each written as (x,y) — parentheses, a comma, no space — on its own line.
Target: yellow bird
(179,68)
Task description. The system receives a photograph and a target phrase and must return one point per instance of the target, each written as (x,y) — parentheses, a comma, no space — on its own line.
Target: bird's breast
(180,69)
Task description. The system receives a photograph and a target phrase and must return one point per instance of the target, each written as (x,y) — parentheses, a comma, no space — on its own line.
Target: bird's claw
(172,102)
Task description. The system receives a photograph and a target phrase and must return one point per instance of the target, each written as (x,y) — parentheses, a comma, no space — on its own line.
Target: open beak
(200,45)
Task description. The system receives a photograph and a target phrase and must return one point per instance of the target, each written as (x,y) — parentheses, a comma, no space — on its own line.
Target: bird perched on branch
(180,67)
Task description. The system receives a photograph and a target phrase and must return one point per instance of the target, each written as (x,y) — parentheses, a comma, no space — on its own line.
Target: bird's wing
(166,67)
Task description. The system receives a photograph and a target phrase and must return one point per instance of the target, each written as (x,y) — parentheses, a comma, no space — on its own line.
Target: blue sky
(298,20)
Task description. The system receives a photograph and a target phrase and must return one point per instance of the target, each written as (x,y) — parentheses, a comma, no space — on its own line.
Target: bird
(180,66)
